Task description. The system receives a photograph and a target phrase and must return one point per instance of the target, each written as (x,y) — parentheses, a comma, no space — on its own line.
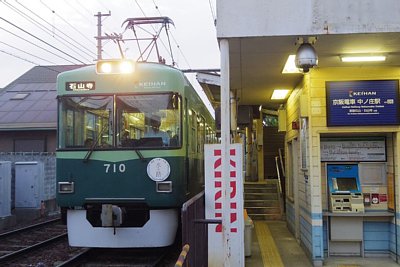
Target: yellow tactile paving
(269,252)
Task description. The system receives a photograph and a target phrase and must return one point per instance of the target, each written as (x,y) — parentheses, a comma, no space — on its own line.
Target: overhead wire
(213,13)
(27,60)
(162,42)
(26,40)
(62,32)
(23,51)
(24,59)
(34,36)
(91,22)
(72,26)
(173,38)
(46,29)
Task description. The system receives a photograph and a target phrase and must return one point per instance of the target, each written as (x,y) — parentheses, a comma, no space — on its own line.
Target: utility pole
(99,15)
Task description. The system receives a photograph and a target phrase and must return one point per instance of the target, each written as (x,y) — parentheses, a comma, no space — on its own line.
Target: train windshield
(152,120)
(85,121)
(145,121)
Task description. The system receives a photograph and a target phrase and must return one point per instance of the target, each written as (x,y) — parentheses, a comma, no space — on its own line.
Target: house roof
(29,102)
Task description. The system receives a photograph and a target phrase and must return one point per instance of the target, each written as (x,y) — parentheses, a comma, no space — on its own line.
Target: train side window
(201,134)
(193,129)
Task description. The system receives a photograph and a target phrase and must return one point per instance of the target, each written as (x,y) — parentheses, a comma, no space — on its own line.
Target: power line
(27,60)
(82,46)
(24,59)
(162,42)
(16,48)
(213,13)
(173,38)
(38,39)
(46,29)
(91,22)
(16,35)
(72,26)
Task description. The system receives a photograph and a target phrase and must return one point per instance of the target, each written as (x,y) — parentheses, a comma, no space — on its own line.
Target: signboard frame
(353,149)
(362,103)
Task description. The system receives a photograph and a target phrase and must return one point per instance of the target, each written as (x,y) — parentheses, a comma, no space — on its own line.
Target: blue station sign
(362,103)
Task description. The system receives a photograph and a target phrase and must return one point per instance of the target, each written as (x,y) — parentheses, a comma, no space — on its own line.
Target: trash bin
(248,231)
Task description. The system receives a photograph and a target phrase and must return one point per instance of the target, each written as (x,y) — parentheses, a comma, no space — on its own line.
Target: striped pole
(182,256)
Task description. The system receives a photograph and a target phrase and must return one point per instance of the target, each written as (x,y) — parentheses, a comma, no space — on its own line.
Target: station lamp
(362,58)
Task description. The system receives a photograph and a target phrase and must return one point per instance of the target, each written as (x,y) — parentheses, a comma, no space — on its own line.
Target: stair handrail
(281,161)
(279,176)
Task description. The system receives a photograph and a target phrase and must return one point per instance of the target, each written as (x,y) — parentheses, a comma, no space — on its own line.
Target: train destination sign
(354,103)
(79,86)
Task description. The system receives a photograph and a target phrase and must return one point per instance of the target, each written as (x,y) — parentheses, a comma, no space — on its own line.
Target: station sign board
(362,103)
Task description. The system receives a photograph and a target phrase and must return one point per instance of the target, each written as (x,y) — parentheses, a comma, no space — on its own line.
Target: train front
(120,158)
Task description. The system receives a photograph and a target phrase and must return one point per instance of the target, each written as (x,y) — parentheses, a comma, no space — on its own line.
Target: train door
(186,181)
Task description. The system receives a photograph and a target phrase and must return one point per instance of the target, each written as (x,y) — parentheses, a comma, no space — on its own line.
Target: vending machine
(345,192)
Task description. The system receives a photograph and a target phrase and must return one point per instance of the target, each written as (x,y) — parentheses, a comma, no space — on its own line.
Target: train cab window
(145,121)
(149,121)
(85,121)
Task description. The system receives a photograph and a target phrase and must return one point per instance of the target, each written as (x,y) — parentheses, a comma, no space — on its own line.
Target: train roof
(146,76)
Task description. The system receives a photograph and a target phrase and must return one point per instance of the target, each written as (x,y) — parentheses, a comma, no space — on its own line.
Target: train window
(141,121)
(85,121)
(193,130)
(149,121)
(201,134)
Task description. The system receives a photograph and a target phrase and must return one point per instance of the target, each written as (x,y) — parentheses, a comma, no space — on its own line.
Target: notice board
(353,149)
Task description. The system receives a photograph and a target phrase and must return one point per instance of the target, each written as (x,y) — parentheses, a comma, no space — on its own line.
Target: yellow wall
(313,86)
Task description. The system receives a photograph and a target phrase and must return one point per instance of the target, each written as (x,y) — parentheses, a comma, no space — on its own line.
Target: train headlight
(65,187)
(115,66)
(105,67)
(158,169)
(126,66)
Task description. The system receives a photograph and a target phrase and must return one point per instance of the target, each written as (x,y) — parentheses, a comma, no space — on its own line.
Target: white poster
(214,202)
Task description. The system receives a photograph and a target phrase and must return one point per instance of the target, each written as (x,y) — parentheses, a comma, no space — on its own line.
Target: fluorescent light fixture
(363,58)
(290,65)
(279,94)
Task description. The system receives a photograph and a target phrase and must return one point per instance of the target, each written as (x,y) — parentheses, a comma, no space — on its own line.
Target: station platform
(273,245)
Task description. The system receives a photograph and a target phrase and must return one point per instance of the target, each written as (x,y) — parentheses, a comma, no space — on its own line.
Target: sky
(61,32)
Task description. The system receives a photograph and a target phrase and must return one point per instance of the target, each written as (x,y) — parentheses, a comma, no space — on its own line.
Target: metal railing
(195,230)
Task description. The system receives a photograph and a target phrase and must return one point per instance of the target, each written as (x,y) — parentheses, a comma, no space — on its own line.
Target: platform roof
(256,63)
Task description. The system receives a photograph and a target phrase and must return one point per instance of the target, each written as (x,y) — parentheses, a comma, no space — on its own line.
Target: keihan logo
(363,93)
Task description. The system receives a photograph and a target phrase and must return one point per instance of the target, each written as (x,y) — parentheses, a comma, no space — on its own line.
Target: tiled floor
(273,245)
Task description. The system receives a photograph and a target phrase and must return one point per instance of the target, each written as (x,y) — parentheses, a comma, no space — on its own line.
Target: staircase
(262,200)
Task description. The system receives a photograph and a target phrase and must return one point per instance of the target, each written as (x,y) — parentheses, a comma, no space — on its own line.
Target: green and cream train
(130,149)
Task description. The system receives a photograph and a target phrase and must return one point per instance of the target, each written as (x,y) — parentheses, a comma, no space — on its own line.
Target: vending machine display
(345,191)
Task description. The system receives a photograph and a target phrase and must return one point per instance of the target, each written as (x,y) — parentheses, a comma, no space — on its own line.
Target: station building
(340,119)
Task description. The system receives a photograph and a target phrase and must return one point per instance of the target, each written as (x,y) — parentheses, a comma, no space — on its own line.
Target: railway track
(46,244)
(157,257)
(32,245)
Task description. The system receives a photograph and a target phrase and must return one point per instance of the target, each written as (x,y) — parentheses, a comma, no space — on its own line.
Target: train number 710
(114,168)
